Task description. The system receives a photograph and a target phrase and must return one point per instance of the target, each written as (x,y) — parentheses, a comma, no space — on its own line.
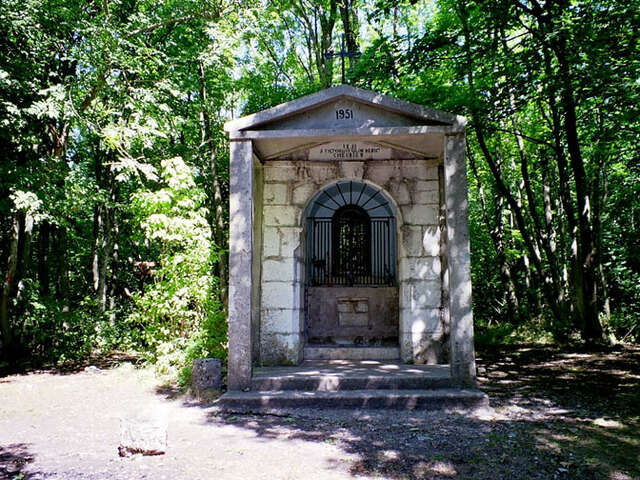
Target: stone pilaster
(463,368)
(240,264)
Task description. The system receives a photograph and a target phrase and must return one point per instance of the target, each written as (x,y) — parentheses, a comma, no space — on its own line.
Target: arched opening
(351,237)
(351,295)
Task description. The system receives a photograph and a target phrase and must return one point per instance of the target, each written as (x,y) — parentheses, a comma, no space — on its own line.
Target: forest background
(114,171)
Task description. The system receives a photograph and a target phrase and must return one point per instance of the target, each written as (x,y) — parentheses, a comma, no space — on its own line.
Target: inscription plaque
(349,151)
(353,312)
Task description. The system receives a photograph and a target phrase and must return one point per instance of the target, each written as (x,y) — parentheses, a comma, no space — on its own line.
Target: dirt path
(556,414)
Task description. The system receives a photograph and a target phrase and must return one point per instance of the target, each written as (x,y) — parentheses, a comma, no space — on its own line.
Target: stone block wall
(413,185)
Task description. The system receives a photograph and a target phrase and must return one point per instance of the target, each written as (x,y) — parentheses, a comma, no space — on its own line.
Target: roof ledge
(377,100)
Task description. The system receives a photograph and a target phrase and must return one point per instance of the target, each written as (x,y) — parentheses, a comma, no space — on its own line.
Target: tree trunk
(115,252)
(349,17)
(24,252)
(588,250)
(553,39)
(62,276)
(9,285)
(322,37)
(515,206)
(496,234)
(95,246)
(43,257)
(218,227)
(105,252)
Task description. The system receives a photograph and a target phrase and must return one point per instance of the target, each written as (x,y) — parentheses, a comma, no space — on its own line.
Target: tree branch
(171,21)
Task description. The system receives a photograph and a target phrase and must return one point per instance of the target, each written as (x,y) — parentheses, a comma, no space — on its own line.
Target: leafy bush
(50,331)
(178,317)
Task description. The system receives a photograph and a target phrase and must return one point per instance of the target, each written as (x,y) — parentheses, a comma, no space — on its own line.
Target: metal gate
(351,296)
(351,253)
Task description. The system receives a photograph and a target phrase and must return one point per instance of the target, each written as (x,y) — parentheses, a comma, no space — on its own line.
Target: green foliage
(93,97)
(51,332)
(178,316)
(111,120)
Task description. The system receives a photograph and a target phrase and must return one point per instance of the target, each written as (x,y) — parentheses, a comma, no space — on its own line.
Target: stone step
(440,399)
(351,352)
(350,381)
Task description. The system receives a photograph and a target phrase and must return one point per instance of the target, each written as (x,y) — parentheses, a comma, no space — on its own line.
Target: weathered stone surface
(320,172)
(438,399)
(413,185)
(241,284)
(420,268)
(419,170)
(336,352)
(276,194)
(431,240)
(431,197)
(302,193)
(144,432)
(422,348)
(400,192)
(271,242)
(363,373)
(420,214)
(281,215)
(277,295)
(283,252)
(420,320)
(420,294)
(280,348)
(280,173)
(206,373)
(281,320)
(372,108)
(278,270)
(412,240)
(463,368)
(353,170)
(382,173)
(426,186)
(290,242)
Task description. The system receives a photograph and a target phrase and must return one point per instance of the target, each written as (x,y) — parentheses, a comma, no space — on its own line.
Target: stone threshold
(350,352)
(343,375)
(268,401)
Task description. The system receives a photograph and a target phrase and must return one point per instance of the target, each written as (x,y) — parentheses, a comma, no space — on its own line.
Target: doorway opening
(351,292)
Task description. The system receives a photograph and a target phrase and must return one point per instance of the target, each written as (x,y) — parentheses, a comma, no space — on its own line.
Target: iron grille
(351,249)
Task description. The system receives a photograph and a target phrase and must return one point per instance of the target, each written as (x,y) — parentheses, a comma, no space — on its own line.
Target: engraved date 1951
(344,114)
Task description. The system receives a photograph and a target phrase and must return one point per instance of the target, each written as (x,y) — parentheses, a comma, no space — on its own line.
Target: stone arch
(372,199)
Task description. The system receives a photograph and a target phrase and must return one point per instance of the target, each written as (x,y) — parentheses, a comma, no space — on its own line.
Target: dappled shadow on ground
(558,414)
(202,399)
(14,460)
(102,362)
(398,446)
(587,382)
(170,392)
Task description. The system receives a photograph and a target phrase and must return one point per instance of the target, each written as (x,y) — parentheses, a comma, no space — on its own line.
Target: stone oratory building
(349,236)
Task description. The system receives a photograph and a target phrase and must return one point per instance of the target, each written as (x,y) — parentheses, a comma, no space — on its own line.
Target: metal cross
(343,53)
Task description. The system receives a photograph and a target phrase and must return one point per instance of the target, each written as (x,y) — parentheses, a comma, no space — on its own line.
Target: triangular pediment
(344,107)
(347,150)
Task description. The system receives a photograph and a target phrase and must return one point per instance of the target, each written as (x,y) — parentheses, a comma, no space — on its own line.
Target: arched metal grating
(351,237)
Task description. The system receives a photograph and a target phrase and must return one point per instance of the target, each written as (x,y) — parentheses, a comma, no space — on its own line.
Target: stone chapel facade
(349,235)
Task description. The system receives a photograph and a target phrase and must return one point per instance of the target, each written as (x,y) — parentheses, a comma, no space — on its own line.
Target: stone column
(463,365)
(240,260)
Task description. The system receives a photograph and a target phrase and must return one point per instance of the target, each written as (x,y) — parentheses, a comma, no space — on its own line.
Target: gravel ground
(554,414)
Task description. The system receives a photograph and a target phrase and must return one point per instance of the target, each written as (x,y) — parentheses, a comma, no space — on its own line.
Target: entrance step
(350,352)
(341,375)
(352,384)
(395,399)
